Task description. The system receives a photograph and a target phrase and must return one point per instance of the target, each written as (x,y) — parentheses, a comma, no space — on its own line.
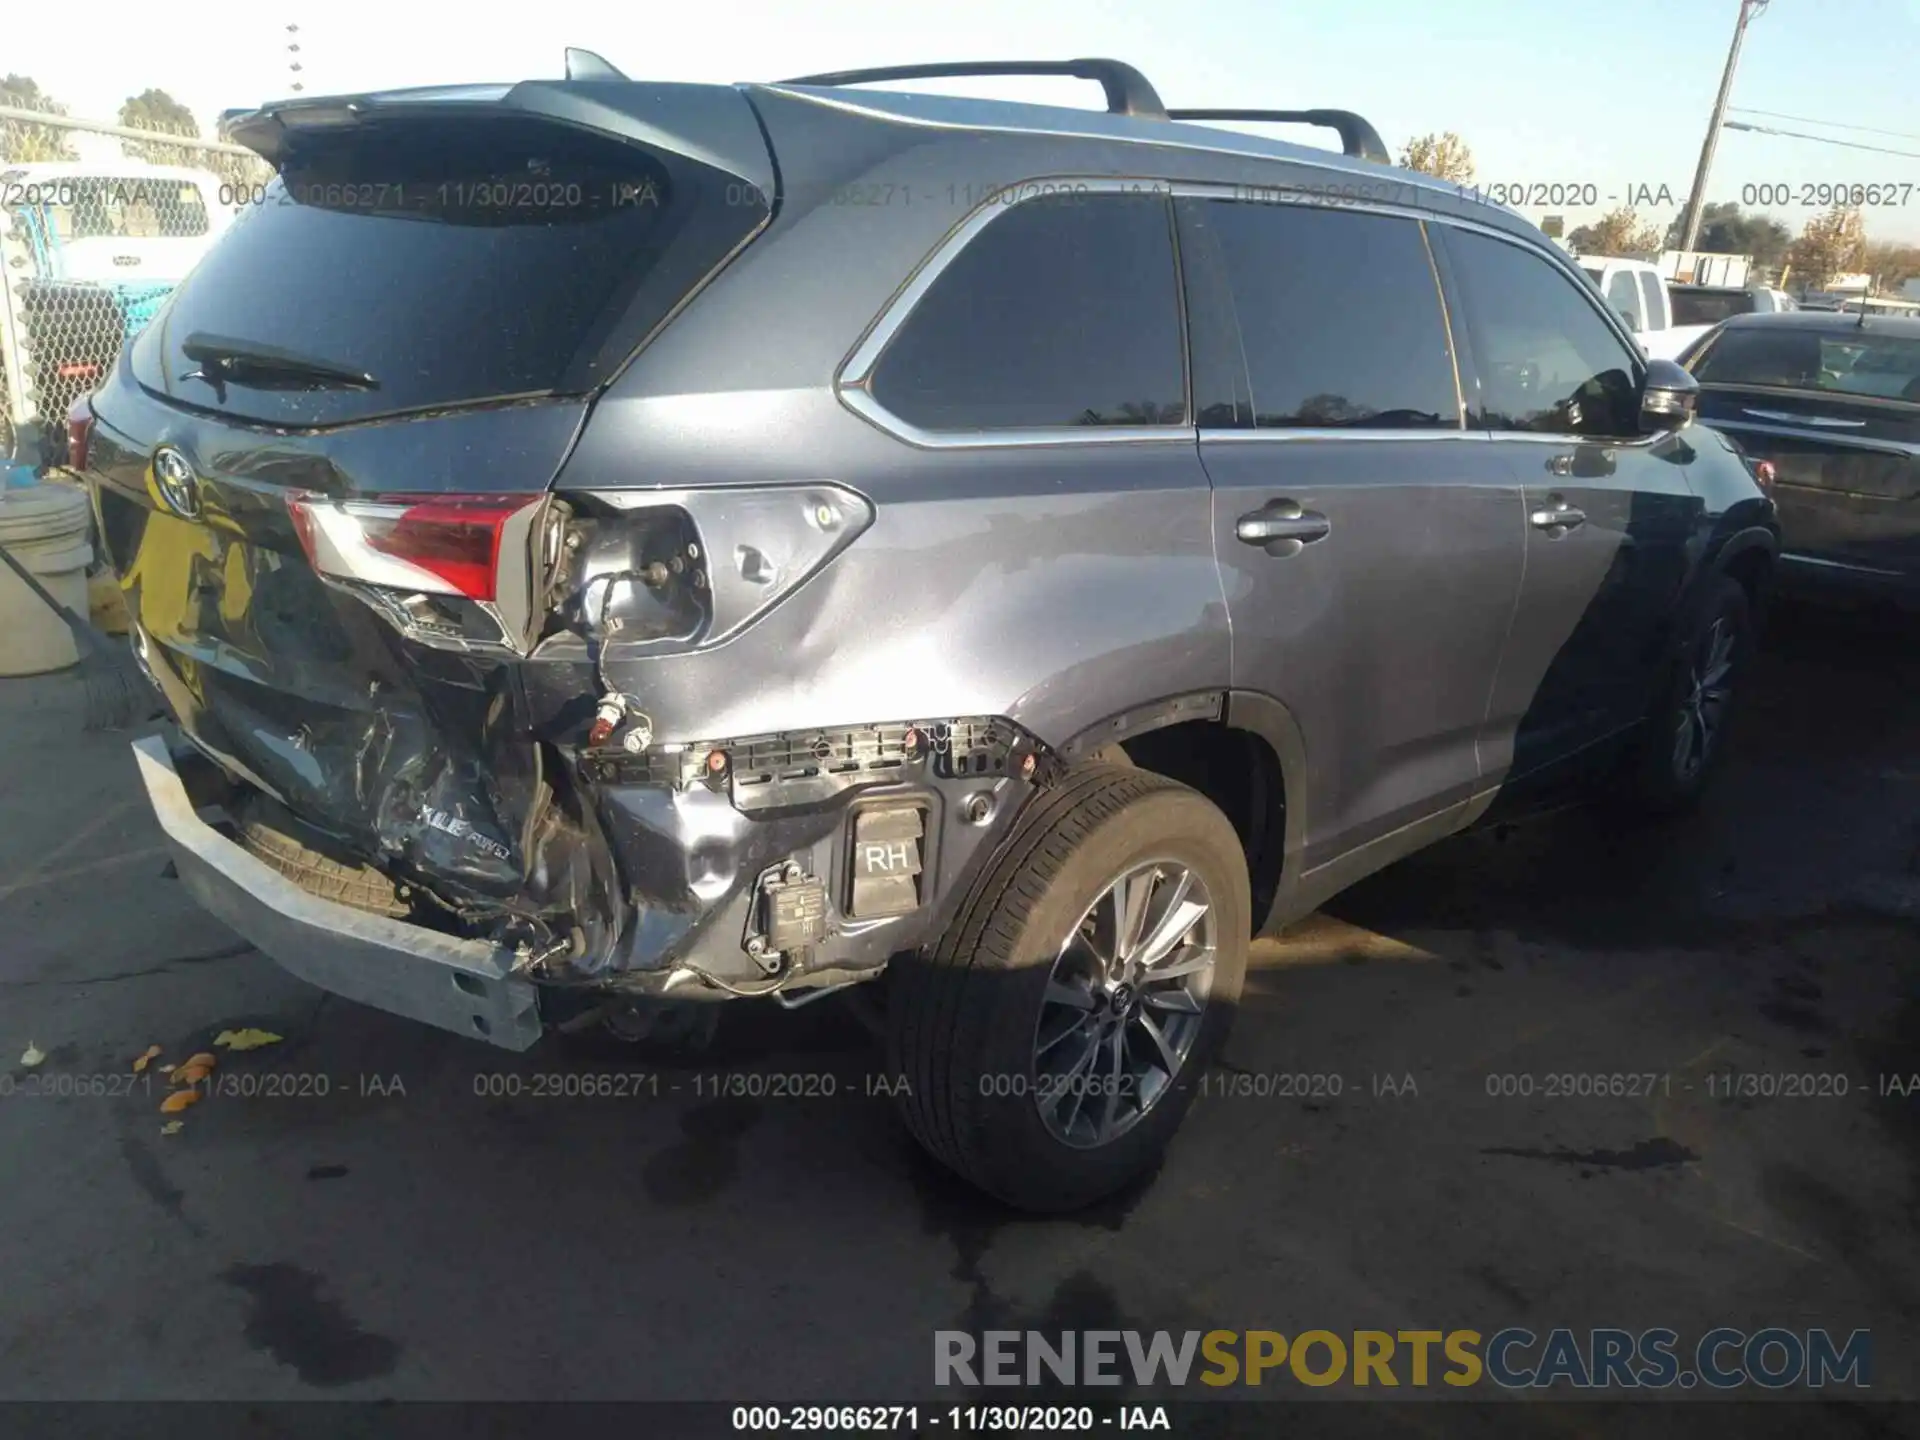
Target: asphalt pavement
(376,1210)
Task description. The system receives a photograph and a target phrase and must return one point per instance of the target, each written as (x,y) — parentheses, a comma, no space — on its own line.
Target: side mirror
(1668,399)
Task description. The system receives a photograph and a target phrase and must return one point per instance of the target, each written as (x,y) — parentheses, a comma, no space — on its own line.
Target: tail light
(405,552)
(1763,475)
(79,431)
(424,544)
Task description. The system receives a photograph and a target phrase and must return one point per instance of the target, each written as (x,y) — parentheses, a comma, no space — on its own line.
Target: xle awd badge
(178,486)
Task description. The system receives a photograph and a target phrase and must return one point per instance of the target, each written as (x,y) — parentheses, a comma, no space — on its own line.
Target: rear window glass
(454,261)
(1847,362)
(125,207)
(1707,307)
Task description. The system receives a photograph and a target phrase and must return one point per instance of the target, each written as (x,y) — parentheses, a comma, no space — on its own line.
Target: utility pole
(1697,199)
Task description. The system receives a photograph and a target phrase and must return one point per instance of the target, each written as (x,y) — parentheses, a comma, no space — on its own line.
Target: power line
(1834,124)
(1823,139)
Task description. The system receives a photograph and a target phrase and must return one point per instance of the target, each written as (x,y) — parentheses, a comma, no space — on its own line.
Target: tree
(1891,263)
(1832,244)
(1726,230)
(22,141)
(1445,156)
(157,110)
(1618,232)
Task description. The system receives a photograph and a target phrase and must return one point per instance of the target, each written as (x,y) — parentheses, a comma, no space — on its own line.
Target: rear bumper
(465,986)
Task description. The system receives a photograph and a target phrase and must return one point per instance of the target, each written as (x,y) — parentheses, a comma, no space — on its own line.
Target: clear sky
(1612,94)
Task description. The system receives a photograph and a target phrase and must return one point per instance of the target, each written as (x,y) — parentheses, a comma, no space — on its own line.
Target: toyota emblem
(179,487)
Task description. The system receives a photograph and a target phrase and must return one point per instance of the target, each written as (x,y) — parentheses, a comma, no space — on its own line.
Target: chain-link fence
(98,223)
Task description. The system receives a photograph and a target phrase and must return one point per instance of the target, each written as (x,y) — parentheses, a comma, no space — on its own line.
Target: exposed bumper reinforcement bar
(461,985)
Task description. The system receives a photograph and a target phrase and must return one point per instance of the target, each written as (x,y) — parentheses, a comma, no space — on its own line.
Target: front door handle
(1557,517)
(1282,528)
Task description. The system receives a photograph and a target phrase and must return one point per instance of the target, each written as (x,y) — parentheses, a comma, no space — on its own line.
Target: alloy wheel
(1703,708)
(1124,1003)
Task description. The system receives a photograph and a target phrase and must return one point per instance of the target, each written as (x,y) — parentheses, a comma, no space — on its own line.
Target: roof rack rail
(1128,91)
(1357,137)
(585,65)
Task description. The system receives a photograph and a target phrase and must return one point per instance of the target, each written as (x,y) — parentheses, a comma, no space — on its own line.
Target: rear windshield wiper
(266,367)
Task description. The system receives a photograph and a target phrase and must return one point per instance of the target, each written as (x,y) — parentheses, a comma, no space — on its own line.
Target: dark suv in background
(612,544)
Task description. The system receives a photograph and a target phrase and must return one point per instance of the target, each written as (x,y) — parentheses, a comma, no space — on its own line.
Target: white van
(1638,292)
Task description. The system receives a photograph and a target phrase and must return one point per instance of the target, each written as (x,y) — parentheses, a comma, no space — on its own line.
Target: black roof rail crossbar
(1128,91)
(1357,137)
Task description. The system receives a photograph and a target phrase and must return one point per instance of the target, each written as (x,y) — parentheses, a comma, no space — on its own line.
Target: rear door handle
(1557,517)
(1282,528)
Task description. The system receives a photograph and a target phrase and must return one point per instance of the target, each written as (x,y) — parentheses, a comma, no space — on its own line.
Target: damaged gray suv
(610,547)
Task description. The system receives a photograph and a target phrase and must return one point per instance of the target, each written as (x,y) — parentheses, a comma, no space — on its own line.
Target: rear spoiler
(713,125)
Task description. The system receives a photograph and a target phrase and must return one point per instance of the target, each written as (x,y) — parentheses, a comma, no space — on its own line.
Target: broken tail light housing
(730,554)
(474,548)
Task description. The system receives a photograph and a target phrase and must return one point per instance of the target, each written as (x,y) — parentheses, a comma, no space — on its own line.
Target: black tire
(265,833)
(1658,782)
(969,1009)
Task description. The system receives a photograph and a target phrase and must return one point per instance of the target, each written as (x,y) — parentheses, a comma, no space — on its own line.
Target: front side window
(1547,361)
(1340,316)
(1063,311)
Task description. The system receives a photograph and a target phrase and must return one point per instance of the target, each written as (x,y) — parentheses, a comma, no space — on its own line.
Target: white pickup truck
(1637,290)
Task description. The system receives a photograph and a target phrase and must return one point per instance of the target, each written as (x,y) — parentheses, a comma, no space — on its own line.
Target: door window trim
(853,384)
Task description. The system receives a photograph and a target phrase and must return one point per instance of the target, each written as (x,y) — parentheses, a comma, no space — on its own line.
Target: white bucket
(44,527)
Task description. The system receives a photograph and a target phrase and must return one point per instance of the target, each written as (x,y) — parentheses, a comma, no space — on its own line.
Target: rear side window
(1796,357)
(454,260)
(1546,360)
(1650,284)
(1624,296)
(1063,311)
(1708,307)
(1339,313)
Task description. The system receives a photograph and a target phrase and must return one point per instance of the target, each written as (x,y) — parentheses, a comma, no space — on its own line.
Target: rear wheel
(1051,1041)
